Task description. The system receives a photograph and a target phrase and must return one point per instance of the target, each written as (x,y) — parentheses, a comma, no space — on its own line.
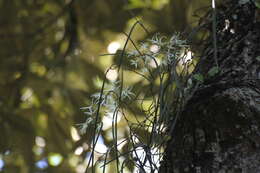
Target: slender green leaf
(213,71)
(199,77)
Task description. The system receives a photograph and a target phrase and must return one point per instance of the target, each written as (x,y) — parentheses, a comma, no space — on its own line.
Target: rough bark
(219,128)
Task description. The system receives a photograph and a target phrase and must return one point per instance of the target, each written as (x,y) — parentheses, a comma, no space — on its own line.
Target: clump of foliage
(165,65)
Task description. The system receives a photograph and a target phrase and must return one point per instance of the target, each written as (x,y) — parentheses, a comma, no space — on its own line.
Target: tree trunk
(219,129)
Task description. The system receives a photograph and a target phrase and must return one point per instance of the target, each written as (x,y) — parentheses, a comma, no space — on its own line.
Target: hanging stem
(214,29)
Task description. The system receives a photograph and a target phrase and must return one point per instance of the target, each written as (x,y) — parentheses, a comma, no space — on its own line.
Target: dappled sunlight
(2,164)
(112,74)
(81,168)
(78,151)
(186,57)
(154,63)
(29,99)
(38,69)
(100,146)
(113,47)
(42,164)
(121,143)
(74,134)
(55,159)
(109,118)
(27,94)
(150,159)
(40,141)
(154,48)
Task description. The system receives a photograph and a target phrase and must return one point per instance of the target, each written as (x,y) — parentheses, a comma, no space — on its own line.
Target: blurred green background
(50,65)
